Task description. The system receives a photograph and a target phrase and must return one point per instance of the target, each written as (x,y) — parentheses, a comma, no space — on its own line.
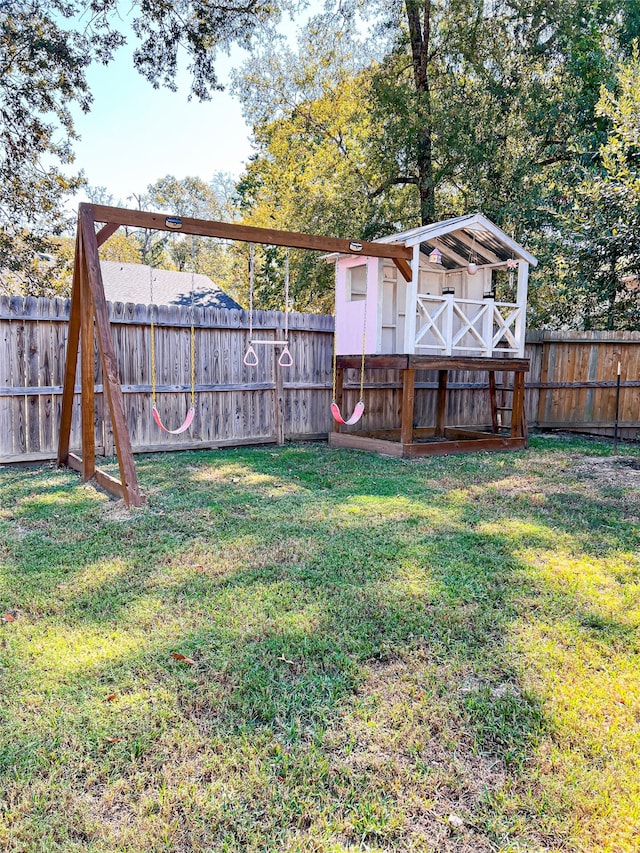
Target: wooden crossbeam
(250,234)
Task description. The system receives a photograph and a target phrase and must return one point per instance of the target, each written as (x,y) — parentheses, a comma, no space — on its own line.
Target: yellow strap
(193,361)
(153,359)
(364,346)
(335,345)
(335,354)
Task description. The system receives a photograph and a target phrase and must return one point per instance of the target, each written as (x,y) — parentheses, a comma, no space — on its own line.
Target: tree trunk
(419,22)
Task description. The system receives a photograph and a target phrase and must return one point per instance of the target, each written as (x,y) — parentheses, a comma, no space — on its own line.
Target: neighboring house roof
(131,283)
(457,238)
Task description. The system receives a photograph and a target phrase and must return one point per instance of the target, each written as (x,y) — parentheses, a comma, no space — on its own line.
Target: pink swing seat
(183,426)
(355,417)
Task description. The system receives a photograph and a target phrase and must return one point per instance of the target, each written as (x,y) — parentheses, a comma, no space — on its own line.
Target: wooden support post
(408,401)
(441,411)
(122,440)
(339,389)
(73,342)
(87,377)
(492,401)
(517,415)
(278,399)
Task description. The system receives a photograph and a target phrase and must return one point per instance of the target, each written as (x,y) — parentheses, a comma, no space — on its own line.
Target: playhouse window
(357,283)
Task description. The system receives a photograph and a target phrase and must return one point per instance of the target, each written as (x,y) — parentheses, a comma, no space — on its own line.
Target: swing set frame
(89,320)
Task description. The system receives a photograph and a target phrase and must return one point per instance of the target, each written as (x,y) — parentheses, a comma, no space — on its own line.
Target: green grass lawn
(386,655)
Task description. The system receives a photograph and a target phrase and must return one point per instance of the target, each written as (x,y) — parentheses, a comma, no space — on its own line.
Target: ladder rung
(504,408)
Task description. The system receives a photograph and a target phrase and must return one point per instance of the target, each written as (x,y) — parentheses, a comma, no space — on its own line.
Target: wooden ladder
(499,409)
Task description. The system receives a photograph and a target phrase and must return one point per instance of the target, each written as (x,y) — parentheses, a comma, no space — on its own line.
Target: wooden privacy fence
(235,404)
(571,384)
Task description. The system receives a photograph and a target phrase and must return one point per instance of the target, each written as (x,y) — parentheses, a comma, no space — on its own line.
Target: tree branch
(398,179)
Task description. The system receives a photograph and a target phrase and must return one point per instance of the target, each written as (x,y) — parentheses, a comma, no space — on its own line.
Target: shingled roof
(130,283)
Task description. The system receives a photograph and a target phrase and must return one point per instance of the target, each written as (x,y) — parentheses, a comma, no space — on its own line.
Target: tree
(46,47)
(603,253)
(465,105)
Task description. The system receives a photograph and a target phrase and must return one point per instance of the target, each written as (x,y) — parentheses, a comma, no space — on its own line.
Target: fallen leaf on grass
(8,618)
(182,658)
(455,821)
(110,697)
(113,739)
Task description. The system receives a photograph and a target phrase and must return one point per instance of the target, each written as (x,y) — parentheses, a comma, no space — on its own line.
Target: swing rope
(359,407)
(286,359)
(192,354)
(250,356)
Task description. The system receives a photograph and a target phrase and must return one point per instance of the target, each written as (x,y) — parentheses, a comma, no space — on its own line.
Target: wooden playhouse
(454,318)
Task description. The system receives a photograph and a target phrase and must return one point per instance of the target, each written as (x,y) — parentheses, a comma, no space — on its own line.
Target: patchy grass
(432,655)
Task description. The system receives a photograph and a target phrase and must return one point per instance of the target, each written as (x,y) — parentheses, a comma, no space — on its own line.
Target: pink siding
(350,315)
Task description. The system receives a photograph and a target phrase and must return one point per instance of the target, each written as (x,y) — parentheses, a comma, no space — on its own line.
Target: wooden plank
(75,462)
(45,355)
(339,392)
(105,232)
(404,267)
(456,432)
(599,425)
(32,353)
(446,448)
(408,402)
(419,433)
(373,362)
(441,406)
(433,362)
(73,341)
(492,400)
(18,374)
(517,415)
(122,441)
(87,367)
(145,388)
(475,363)
(353,441)
(6,431)
(278,399)
(246,233)
(109,483)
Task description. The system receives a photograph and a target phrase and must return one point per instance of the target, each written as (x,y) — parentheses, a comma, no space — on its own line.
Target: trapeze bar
(271,343)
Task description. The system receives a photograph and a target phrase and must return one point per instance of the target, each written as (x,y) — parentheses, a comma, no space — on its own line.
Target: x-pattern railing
(430,320)
(468,325)
(506,325)
(451,325)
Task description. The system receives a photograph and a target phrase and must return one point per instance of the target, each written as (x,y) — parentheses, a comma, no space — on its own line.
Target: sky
(136,134)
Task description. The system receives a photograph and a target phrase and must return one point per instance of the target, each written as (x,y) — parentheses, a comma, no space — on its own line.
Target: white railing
(449,326)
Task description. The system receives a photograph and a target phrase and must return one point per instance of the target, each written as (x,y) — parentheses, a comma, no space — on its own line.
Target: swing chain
(250,356)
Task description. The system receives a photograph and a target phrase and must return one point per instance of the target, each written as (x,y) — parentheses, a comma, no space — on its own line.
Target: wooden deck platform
(408,438)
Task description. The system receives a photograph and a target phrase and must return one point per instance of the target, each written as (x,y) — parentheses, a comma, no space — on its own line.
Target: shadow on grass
(285,575)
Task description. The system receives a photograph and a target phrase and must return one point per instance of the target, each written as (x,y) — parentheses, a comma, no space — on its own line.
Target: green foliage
(598,250)
(46,47)
(452,107)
